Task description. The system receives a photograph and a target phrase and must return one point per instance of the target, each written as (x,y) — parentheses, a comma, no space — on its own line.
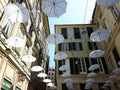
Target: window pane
(89,31)
(64,32)
(76,33)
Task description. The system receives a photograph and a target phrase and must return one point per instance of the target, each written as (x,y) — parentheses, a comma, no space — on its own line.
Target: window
(116,55)
(77,33)
(7,26)
(70,46)
(64,32)
(6,85)
(89,31)
(115,10)
(92,45)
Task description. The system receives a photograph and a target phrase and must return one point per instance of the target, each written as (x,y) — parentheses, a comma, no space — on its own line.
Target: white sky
(76,13)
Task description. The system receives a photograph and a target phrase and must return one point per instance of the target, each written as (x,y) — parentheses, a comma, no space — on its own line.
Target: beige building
(15,73)
(77,46)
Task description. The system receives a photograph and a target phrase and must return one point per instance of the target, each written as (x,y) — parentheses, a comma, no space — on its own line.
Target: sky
(77,12)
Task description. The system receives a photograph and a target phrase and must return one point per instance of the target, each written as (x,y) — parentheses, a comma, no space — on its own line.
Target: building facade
(77,45)
(109,18)
(15,73)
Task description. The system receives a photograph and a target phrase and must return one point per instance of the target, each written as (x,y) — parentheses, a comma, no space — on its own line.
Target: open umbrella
(42,75)
(28,58)
(119,63)
(92,74)
(36,68)
(17,13)
(106,3)
(15,42)
(93,67)
(47,80)
(66,74)
(116,71)
(90,80)
(99,35)
(60,56)
(68,80)
(54,8)
(112,77)
(64,67)
(55,38)
(96,53)
(50,84)
(108,81)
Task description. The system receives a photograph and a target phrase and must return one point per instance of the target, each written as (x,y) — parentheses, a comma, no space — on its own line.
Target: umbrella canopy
(119,63)
(96,53)
(116,71)
(88,84)
(90,80)
(42,75)
(64,67)
(60,56)
(36,68)
(47,80)
(54,8)
(15,42)
(99,35)
(28,58)
(112,77)
(55,38)
(106,3)
(68,80)
(17,13)
(50,84)
(108,81)
(93,67)
(66,74)
(92,74)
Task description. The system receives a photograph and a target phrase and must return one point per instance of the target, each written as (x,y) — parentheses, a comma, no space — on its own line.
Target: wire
(85,11)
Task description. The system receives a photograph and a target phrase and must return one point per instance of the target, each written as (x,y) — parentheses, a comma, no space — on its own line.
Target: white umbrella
(15,42)
(119,63)
(17,13)
(47,80)
(108,81)
(112,77)
(68,80)
(66,74)
(90,80)
(92,74)
(42,75)
(50,84)
(106,3)
(63,67)
(96,53)
(93,67)
(55,38)
(99,35)
(36,68)
(54,87)
(60,56)
(69,84)
(88,84)
(116,71)
(106,84)
(54,8)
(28,58)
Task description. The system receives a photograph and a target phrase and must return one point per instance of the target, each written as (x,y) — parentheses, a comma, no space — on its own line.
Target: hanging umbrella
(54,87)
(66,74)
(93,67)
(60,56)
(68,80)
(119,63)
(92,74)
(42,75)
(17,13)
(55,38)
(106,3)
(112,77)
(90,80)
(47,80)
(69,84)
(63,67)
(116,71)
(88,84)
(15,42)
(99,35)
(96,53)
(54,8)
(106,84)
(50,84)
(108,81)
(28,58)
(36,68)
